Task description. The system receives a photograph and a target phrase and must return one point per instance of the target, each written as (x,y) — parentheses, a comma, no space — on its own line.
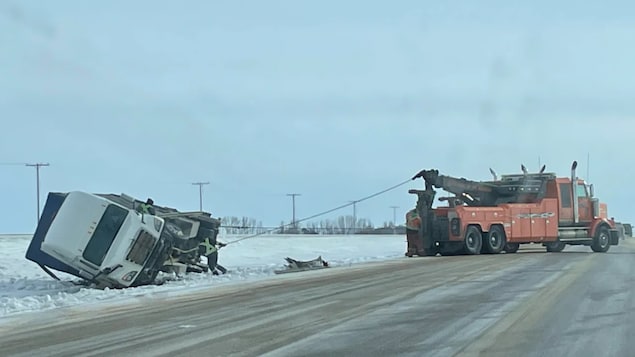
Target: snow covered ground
(25,287)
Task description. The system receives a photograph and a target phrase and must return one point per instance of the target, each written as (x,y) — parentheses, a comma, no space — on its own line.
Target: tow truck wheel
(473,240)
(511,247)
(494,240)
(602,240)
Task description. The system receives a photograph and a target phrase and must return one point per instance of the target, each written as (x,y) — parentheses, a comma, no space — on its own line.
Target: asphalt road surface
(574,303)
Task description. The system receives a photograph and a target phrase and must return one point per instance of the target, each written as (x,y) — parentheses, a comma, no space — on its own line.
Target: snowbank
(25,287)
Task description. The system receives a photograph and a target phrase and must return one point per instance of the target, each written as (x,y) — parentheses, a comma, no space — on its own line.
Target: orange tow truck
(499,215)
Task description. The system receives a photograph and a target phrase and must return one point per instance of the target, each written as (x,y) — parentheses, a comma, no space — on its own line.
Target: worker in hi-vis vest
(147,207)
(413,224)
(209,249)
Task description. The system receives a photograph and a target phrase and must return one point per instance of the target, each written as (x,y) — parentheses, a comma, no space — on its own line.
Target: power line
(326,212)
(37,175)
(200,193)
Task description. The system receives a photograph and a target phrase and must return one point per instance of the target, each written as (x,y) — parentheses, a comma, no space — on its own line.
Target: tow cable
(322,213)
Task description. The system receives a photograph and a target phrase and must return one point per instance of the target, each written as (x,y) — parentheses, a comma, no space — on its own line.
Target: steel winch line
(324,212)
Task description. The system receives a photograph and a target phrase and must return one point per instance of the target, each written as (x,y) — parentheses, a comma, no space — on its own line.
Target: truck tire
(602,240)
(473,240)
(555,247)
(511,247)
(494,240)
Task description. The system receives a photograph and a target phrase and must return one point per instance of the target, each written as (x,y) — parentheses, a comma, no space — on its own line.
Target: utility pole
(394,219)
(37,177)
(293,200)
(354,215)
(200,193)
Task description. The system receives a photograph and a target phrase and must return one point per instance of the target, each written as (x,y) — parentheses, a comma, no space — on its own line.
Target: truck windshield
(105,234)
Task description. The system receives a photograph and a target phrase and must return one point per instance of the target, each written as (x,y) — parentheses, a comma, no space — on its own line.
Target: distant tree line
(346,224)
(242,225)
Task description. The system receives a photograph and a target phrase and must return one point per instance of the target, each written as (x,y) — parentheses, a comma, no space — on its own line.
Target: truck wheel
(511,247)
(473,241)
(555,247)
(602,240)
(494,240)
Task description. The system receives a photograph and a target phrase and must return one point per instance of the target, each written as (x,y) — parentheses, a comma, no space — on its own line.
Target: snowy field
(25,287)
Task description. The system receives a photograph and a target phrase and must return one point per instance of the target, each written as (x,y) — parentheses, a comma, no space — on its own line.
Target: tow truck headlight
(455,227)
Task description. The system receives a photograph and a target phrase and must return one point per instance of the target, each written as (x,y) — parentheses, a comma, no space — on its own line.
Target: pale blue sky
(332,99)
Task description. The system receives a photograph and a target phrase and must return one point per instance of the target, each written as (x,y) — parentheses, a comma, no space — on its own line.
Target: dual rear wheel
(492,242)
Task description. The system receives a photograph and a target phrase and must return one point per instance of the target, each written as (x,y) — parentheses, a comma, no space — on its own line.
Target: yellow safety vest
(209,247)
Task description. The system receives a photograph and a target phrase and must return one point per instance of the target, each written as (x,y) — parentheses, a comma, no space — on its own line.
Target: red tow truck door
(585,206)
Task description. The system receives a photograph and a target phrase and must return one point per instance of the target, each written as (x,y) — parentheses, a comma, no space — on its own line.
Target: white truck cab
(103,239)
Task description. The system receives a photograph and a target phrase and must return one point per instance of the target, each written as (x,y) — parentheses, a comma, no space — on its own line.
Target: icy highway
(574,303)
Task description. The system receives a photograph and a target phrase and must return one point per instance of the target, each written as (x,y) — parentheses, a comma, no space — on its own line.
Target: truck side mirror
(591,191)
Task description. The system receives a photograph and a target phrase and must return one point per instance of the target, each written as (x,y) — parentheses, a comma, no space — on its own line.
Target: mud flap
(615,236)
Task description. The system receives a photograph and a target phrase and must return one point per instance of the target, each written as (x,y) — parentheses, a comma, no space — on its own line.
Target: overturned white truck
(103,239)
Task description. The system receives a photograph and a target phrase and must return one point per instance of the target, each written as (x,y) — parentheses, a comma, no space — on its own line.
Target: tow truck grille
(141,249)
